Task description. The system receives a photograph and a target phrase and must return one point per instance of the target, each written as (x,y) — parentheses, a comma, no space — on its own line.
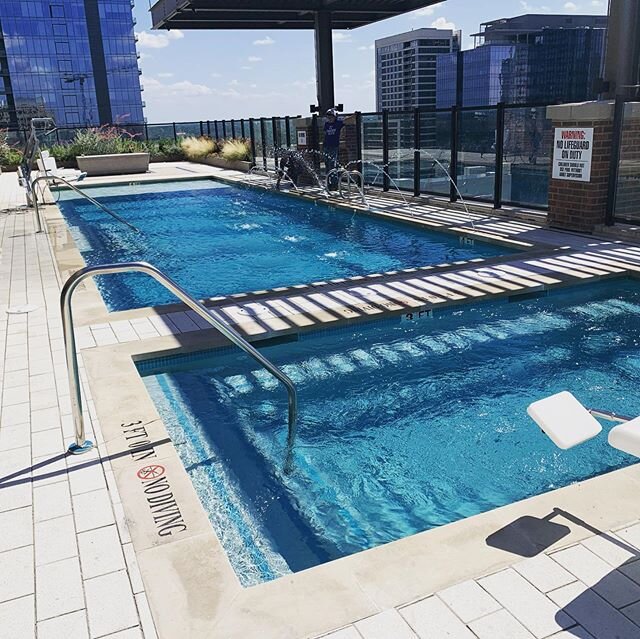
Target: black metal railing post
(175,133)
(453,165)
(242,129)
(385,150)
(359,141)
(263,130)
(417,145)
(201,128)
(233,128)
(208,128)
(274,133)
(497,187)
(287,126)
(315,142)
(215,127)
(252,135)
(614,160)
(224,129)
(146,132)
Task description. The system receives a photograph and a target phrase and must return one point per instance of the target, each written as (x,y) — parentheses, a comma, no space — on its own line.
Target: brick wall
(581,206)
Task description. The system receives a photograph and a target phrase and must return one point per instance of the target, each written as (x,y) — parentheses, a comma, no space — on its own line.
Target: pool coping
(191,586)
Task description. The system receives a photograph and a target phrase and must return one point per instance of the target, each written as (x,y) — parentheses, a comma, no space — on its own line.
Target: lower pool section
(403,426)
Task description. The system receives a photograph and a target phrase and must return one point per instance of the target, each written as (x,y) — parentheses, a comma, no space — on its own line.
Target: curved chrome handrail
(81,444)
(54,178)
(341,172)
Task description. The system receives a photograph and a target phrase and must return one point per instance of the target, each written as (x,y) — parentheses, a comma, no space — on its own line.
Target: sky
(214,75)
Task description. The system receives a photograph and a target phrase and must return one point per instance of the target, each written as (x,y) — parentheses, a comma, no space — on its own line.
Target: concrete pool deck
(81,552)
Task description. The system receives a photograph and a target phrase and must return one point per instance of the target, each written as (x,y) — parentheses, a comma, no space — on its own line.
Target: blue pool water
(217,240)
(403,426)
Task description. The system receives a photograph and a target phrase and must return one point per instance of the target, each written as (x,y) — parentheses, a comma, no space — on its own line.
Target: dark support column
(417,143)
(253,140)
(324,61)
(623,48)
(614,161)
(460,79)
(359,140)
(385,150)
(497,193)
(453,166)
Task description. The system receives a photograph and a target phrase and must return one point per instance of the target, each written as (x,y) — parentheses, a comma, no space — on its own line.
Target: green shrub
(9,155)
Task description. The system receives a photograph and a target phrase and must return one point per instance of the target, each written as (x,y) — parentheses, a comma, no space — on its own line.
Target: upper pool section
(215,240)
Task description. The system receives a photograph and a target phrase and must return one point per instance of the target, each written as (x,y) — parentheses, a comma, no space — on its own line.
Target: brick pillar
(581,206)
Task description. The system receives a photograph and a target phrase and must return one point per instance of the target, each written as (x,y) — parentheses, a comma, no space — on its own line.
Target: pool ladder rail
(82,444)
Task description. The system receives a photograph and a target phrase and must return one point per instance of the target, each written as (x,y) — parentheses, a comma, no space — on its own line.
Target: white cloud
(443,23)
(148,40)
(165,75)
(570,6)
(341,36)
(215,74)
(254,58)
(371,47)
(183,89)
(233,83)
(264,42)
(420,13)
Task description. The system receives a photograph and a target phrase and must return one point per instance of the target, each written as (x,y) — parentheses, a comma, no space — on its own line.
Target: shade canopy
(276,14)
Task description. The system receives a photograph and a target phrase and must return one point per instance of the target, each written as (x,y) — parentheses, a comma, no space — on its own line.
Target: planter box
(115,164)
(221,163)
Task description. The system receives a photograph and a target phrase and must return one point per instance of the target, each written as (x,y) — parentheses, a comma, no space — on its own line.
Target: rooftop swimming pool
(403,426)
(215,239)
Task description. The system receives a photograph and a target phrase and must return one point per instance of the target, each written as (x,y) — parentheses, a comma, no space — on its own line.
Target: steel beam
(324,61)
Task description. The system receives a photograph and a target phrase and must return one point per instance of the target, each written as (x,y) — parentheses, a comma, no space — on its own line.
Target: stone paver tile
(146,619)
(110,604)
(469,601)
(16,378)
(499,625)
(49,469)
(384,625)
(130,633)
(100,551)
(55,540)
(613,550)
(527,604)
(631,535)
(15,395)
(544,573)
(577,632)
(609,583)
(47,442)
(633,612)
(632,570)
(52,500)
(16,576)
(70,626)
(17,618)
(133,569)
(431,619)
(45,419)
(58,588)
(344,633)
(593,613)
(42,382)
(16,528)
(15,415)
(12,437)
(104,336)
(86,477)
(92,510)
(43,399)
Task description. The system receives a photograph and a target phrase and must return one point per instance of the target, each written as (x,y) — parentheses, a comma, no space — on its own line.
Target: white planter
(114,164)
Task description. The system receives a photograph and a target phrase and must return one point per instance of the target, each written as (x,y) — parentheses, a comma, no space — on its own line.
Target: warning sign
(572,151)
(152,471)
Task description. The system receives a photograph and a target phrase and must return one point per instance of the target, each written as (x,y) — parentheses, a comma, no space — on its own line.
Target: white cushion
(564,420)
(626,437)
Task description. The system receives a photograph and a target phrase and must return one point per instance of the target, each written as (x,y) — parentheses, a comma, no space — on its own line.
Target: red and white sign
(572,151)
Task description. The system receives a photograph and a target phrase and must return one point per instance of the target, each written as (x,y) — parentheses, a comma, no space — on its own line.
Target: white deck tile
(527,604)
(610,584)
(110,604)
(52,500)
(469,601)
(593,613)
(610,548)
(344,633)
(58,588)
(146,619)
(500,625)
(100,552)
(431,619)
(92,510)
(73,625)
(17,618)
(55,539)
(15,528)
(384,625)
(16,576)
(544,573)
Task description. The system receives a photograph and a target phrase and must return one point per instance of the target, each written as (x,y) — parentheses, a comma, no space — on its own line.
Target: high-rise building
(406,67)
(529,58)
(73,60)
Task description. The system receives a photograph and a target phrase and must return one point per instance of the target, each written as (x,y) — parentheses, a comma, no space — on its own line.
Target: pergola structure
(320,15)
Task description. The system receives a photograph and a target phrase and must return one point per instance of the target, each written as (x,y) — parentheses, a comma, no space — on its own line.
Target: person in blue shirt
(332,128)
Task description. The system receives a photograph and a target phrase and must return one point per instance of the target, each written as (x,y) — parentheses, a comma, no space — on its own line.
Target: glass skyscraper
(529,58)
(73,60)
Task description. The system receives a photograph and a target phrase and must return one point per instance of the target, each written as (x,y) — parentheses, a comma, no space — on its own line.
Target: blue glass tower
(73,60)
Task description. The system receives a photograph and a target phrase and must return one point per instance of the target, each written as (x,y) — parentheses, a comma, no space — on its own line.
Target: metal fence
(499,154)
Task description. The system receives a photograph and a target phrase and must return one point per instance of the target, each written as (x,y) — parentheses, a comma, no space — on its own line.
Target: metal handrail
(54,178)
(82,444)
